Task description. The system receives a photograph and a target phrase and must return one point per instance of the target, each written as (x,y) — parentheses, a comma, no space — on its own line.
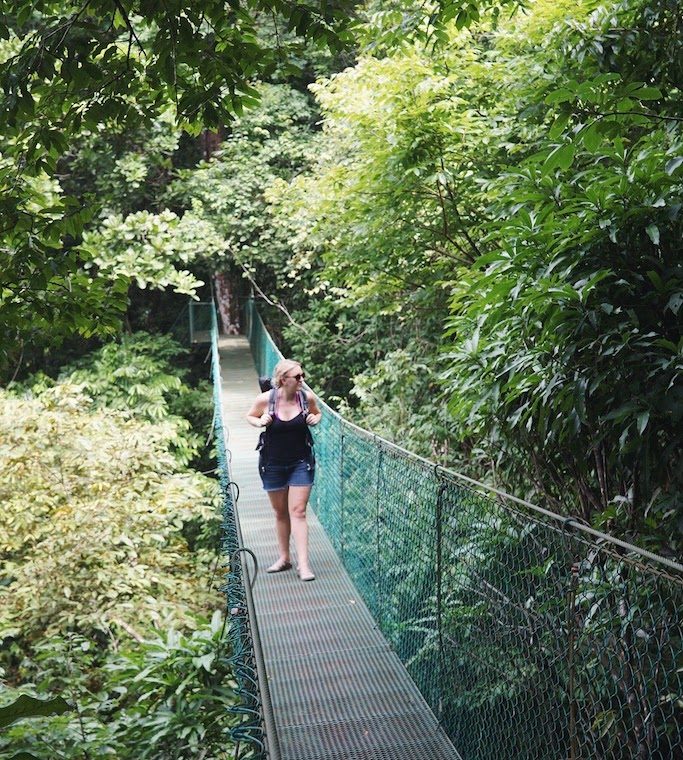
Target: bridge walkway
(338,691)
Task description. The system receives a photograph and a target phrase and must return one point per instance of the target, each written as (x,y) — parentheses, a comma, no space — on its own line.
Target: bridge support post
(378,537)
(342,480)
(571,635)
(438,518)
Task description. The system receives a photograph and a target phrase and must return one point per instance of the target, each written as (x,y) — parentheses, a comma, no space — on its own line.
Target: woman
(287,464)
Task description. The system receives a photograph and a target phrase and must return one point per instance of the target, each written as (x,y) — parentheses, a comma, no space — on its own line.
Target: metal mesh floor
(338,691)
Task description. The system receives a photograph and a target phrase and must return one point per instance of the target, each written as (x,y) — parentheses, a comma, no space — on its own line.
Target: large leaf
(30,707)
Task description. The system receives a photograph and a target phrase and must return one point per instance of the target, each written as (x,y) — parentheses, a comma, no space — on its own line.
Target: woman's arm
(314,413)
(258,413)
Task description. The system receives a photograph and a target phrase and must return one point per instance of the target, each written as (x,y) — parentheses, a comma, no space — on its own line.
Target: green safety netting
(530,635)
(194,323)
(249,734)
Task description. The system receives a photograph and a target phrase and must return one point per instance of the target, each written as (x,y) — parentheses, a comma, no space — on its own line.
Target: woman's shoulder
(310,396)
(262,400)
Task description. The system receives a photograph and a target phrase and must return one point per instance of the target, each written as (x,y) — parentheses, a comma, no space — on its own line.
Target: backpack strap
(303,402)
(271,402)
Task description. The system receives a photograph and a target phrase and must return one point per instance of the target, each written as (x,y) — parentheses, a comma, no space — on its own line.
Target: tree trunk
(228,305)
(210,142)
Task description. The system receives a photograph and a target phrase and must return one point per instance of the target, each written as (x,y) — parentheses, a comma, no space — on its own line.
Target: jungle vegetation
(463,217)
(478,206)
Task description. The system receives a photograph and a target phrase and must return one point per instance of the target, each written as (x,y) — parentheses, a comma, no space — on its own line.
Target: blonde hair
(281,369)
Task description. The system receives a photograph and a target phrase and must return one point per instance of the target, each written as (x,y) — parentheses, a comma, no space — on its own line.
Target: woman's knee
(297,509)
(298,500)
(279,502)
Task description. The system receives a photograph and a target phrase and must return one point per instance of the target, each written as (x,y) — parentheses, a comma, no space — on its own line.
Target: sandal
(279,566)
(308,576)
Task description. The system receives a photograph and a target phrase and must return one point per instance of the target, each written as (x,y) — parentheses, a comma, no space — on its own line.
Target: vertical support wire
(438,516)
(571,642)
(378,535)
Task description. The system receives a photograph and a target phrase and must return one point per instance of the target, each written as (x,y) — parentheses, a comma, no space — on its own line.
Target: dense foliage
(469,231)
(69,70)
(504,212)
(166,696)
(227,193)
(489,219)
(108,548)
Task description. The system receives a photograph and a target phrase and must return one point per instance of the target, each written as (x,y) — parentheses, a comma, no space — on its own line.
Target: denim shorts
(279,476)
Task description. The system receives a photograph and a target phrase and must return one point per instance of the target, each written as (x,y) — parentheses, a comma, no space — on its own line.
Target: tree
(145,248)
(68,67)
(230,192)
(513,201)
(565,338)
(115,432)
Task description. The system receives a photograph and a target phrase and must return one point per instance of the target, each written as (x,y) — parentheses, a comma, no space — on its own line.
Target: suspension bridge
(448,620)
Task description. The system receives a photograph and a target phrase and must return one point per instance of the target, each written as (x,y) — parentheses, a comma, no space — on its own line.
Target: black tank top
(287,440)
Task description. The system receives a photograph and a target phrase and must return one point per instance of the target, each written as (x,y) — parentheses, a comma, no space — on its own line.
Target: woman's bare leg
(279,501)
(298,501)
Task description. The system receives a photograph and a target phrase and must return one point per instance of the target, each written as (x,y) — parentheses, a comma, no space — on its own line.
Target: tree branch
(282,308)
(129,26)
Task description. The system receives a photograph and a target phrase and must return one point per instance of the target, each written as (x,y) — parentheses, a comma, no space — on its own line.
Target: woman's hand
(313,419)
(258,416)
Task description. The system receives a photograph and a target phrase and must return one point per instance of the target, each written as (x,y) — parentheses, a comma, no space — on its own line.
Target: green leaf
(673,164)
(669,345)
(24,14)
(648,93)
(462,19)
(655,279)
(653,233)
(558,125)
(559,96)
(590,137)
(603,723)
(30,707)
(562,157)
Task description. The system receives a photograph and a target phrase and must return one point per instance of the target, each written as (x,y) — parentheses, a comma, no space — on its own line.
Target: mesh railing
(193,324)
(201,318)
(530,635)
(180,329)
(249,734)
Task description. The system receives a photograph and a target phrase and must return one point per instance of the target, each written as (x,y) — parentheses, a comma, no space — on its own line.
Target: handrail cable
(529,634)
(270,735)
(576,523)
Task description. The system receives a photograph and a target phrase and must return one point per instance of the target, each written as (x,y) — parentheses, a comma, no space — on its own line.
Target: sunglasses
(298,377)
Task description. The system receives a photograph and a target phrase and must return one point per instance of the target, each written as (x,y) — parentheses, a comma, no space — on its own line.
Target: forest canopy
(497,221)
(463,217)
(475,202)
